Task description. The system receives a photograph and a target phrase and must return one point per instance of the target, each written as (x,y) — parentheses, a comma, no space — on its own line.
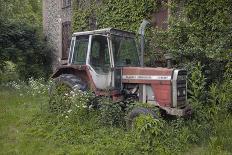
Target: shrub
(21,44)
(147,130)
(111,113)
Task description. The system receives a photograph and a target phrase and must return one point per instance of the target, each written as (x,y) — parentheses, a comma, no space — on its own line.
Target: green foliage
(199,31)
(80,130)
(197,83)
(22,10)
(111,113)
(147,129)
(7,71)
(60,98)
(22,44)
(205,30)
(120,14)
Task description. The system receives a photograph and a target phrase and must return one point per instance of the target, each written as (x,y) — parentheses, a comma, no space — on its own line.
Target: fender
(83,73)
(79,70)
(68,69)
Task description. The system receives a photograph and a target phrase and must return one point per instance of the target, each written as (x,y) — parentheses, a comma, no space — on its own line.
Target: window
(125,51)
(160,17)
(99,57)
(66,3)
(80,50)
(66,38)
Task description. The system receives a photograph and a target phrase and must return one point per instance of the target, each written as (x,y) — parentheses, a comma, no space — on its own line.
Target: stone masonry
(55,14)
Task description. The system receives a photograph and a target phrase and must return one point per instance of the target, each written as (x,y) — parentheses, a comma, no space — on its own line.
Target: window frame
(137,50)
(72,52)
(109,51)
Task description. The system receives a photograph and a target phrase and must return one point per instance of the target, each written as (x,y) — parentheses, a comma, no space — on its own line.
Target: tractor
(107,63)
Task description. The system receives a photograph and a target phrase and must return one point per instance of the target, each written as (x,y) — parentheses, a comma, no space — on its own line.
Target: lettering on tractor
(107,62)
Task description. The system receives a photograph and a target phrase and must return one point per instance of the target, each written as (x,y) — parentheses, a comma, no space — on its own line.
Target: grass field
(26,127)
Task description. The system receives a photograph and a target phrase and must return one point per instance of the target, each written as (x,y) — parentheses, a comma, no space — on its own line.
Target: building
(57,15)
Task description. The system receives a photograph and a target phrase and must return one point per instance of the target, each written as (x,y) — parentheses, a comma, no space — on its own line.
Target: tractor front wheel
(136,112)
(61,92)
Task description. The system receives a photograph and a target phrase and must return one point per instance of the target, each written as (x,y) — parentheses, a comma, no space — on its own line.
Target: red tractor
(107,62)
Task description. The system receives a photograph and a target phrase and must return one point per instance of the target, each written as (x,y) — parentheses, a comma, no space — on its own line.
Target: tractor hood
(146,75)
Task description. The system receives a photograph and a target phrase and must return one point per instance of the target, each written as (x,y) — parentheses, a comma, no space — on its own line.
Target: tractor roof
(106,31)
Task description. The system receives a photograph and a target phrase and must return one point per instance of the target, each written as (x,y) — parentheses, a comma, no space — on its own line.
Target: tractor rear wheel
(136,112)
(61,92)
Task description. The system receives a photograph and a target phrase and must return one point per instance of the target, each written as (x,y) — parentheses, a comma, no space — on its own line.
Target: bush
(111,113)
(21,44)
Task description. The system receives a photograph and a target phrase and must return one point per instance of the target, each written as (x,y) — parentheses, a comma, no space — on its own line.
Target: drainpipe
(142,39)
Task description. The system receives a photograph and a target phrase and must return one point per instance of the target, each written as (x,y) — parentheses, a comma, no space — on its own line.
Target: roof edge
(105,31)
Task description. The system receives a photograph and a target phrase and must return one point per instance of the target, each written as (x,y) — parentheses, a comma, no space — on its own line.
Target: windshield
(125,51)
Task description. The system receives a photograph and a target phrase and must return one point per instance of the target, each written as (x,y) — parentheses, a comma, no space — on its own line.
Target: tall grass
(28,126)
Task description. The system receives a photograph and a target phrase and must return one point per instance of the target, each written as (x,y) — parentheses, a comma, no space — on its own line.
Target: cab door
(100,62)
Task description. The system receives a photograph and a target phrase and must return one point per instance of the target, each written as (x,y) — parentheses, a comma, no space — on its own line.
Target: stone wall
(54,14)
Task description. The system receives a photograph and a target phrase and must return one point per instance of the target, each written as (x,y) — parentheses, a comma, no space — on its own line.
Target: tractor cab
(102,51)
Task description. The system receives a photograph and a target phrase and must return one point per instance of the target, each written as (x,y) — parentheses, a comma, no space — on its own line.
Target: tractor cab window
(125,51)
(99,57)
(80,50)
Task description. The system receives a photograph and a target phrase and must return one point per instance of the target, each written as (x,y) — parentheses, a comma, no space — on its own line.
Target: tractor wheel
(136,112)
(60,92)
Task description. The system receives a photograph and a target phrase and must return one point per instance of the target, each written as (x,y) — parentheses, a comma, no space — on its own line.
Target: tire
(62,87)
(72,81)
(136,112)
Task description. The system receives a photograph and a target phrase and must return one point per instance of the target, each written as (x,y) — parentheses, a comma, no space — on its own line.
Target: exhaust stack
(142,40)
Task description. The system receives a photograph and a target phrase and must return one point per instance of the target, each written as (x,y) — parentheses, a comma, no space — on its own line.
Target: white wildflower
(84,106)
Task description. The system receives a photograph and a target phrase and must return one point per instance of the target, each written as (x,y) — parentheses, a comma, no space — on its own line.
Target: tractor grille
(181,87)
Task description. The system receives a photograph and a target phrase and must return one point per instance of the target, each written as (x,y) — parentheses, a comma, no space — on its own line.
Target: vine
(121,14)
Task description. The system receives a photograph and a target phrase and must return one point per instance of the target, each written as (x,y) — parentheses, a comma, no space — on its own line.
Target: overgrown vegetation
(23,51)
(83,129)
(123,14)
(199,37)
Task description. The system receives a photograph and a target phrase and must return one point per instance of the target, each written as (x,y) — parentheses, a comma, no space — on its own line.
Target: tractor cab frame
(102,51)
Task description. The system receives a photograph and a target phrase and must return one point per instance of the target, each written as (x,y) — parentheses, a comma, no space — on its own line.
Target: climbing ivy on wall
(206,30)
(198,30)
(122,14)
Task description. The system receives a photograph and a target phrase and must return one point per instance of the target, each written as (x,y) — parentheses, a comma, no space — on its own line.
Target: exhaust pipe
(142,87)
(142,40)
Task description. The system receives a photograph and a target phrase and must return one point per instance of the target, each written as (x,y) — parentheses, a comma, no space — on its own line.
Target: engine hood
(146,74)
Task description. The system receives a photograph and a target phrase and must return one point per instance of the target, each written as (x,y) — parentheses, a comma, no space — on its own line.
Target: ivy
(121,14)
(198,30)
